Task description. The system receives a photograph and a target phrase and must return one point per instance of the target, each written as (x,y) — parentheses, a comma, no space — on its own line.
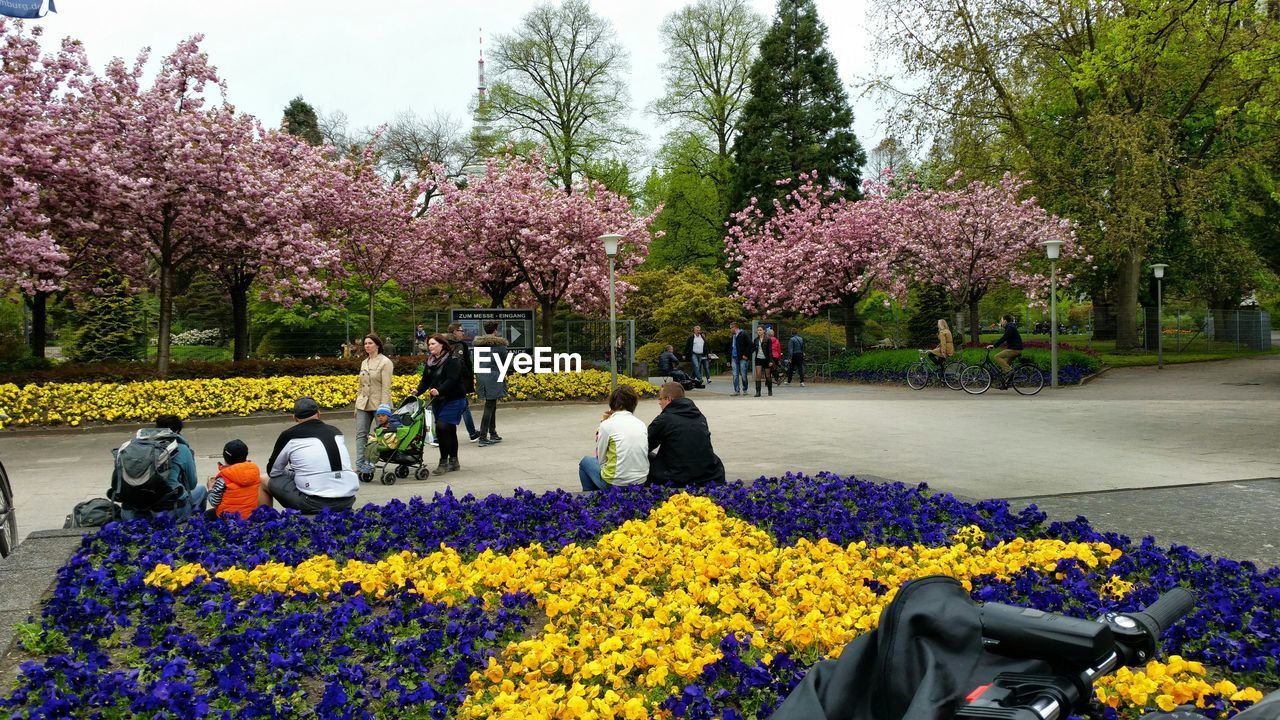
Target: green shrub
(649,352)
(900,360)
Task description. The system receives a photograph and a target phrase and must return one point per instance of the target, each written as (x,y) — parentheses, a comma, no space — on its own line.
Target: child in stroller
(398,439)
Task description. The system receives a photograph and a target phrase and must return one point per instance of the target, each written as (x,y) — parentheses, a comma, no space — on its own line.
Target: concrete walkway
(1209,426)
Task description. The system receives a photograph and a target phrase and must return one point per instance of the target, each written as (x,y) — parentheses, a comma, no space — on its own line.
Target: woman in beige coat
(374,390)
(946,348)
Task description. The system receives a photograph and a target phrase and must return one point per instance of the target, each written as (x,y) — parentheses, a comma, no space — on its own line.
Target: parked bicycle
(919,374)
(1025,379)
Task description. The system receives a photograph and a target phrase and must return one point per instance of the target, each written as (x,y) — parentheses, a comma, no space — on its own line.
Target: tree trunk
(39,306)
(373,293)
(240,321)
(852,322)
(975,325)
(1103,320)
(496,299)
(166,319)
(548,322)
(1127,302)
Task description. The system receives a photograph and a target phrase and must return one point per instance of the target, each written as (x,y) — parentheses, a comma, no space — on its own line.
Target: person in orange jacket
(237,488)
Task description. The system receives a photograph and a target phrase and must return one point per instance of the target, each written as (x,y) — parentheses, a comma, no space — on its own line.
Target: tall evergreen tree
(300,120)
(110,325)
(798,118)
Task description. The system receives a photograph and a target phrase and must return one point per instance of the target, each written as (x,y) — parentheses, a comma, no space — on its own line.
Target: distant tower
(481,132)
(480,72)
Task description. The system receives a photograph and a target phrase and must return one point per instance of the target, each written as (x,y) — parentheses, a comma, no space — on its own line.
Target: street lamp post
(1157,269)
(610,242)
(1051,249)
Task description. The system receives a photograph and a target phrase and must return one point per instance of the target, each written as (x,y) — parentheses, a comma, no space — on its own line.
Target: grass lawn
(1201,351)
(179,353)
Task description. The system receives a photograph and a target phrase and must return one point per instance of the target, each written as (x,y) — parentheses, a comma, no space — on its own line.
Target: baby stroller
(401,447)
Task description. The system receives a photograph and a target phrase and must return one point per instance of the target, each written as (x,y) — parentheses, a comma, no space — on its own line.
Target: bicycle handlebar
(1078,651)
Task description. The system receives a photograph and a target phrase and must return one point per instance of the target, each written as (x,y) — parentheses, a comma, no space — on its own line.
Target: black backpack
(140,480)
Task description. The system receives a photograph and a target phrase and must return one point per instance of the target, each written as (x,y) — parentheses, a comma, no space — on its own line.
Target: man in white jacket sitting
(622,446)
(310,468)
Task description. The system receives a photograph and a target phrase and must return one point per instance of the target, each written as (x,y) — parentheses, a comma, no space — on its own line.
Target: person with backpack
(461,349)
(237,488)
(155,473)
(310,468)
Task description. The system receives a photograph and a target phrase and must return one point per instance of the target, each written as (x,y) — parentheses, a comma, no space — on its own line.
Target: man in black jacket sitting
(682,439)
(669,365)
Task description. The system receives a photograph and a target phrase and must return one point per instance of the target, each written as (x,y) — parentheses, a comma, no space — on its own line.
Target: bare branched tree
(560,83)
(410,145)
(710,47)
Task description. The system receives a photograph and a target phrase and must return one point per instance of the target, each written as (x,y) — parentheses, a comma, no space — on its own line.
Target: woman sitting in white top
(622,446)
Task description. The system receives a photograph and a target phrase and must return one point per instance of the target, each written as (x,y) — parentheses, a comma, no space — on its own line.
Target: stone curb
(29,574)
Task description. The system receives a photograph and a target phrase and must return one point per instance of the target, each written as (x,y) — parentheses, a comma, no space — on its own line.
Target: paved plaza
(1190,453)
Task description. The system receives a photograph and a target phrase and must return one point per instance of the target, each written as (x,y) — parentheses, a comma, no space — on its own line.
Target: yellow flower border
(77,403)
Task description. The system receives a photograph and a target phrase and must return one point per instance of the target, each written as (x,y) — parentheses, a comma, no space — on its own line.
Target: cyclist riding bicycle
(946,348)
(1012,342)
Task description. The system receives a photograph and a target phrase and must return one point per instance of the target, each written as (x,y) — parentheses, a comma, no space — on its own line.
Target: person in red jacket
(237,488)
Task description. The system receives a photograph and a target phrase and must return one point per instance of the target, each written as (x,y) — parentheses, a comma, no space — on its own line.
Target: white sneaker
(801,384)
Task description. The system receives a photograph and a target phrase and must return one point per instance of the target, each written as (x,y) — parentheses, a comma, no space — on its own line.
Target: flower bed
(76,403)
(630,603)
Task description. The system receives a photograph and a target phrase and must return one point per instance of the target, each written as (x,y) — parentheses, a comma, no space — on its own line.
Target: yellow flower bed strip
(77,403)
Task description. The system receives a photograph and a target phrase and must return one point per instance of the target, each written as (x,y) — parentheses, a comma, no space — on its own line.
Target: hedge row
(891,365)
(122,372)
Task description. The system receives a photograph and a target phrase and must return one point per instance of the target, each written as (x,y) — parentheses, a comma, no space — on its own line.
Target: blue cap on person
(383,409)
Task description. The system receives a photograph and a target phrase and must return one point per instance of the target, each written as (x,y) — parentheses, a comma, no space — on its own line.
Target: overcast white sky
(395,54)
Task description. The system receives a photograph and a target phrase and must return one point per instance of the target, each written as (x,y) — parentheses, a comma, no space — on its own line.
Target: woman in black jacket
(442,382)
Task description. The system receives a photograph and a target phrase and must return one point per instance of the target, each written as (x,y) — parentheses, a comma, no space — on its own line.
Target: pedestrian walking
(795,347)
(696,348)
(489,387)
(762,356)
(739,358)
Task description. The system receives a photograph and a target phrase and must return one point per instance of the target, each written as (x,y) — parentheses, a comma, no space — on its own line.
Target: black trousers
(489,419)
(797,363)
(447,437)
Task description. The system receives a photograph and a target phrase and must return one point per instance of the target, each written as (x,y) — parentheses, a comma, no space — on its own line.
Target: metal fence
(590,339)
(1205,331)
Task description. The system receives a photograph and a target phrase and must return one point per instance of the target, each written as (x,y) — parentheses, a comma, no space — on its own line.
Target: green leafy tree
(667,303)
(1129,116)
(111,325)
(693,208)
(300,120)
(798,117)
